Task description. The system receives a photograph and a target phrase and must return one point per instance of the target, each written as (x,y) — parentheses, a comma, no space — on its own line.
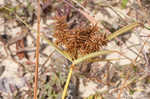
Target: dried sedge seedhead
(79,40)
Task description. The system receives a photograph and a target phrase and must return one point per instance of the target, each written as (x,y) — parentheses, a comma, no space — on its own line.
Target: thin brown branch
(37,51)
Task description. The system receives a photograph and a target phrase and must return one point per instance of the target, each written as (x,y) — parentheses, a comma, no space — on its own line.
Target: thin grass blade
(65,54)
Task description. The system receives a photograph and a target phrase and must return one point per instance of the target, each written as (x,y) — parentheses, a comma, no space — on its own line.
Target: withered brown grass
(80,40)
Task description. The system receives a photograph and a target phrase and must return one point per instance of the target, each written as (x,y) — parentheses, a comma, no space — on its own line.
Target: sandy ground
(11,76)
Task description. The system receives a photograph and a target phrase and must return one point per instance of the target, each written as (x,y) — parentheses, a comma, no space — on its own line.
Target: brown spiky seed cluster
(79,40)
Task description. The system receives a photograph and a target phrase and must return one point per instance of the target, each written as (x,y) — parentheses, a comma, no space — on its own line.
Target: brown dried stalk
(37,51)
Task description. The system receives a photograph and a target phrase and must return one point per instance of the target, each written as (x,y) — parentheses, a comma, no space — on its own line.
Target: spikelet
(79,40)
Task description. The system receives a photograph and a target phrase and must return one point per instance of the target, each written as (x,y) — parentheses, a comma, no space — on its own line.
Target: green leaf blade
(124,3)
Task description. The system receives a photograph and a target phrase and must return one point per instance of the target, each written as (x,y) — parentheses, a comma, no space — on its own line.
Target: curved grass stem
(123,30)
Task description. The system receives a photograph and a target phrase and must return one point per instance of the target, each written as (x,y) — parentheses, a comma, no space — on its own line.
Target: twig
(118,14)
(141,50)
(17,38)
(37,51)
(21,20)
(81,6)
(123,85)
(85,13)
(26,49)
(43,65)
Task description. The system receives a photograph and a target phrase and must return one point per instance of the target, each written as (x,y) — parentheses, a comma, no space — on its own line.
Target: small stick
(48,58)
(37,51)
(15,39)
